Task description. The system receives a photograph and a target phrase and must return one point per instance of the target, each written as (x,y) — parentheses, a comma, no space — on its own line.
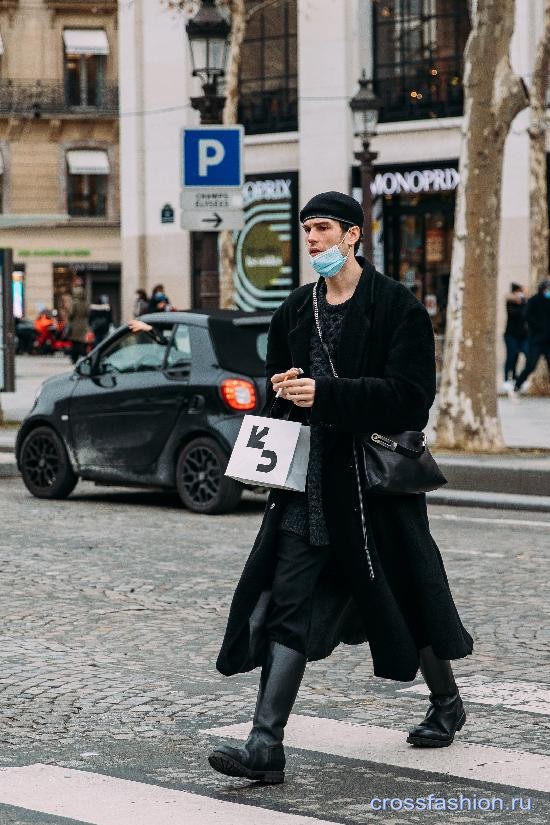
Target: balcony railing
(264,112)
(420,95)
(47,98)
(83,5)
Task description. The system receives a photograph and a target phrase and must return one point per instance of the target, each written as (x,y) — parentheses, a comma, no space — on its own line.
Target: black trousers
(534,352)
(296,573)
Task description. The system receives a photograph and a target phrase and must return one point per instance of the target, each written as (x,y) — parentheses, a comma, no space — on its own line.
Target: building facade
(59,191)
(301,64)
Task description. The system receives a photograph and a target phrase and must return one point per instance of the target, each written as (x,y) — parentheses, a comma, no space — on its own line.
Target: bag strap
(318,325)
(395,447)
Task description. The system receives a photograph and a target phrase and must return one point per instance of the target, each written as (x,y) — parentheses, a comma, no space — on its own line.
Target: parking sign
(212,178)
(212,156)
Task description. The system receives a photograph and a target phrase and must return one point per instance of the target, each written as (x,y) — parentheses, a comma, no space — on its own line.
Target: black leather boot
(446,712)
(262,756)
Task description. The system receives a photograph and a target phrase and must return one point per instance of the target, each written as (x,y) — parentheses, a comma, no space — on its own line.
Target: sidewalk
(519,481)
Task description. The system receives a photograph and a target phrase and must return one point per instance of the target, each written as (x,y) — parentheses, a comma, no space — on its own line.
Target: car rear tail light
(239,394)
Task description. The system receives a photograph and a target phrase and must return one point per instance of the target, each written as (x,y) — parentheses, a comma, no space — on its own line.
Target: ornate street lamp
(208,33)
(366,107)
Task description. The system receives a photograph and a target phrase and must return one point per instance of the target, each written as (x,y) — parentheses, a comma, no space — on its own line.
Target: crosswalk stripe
(370,743)
(105,800)
(503,522)
(529,697)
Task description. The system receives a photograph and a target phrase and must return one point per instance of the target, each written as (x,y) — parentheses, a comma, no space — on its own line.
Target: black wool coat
(386,384)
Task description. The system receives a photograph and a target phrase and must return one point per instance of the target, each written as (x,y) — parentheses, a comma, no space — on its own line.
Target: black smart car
(160,411)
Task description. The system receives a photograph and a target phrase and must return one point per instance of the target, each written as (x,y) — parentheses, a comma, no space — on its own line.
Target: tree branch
(265,4)
(510,93)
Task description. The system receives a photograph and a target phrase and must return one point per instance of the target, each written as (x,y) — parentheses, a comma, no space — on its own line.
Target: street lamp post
(208,34)
(365,107)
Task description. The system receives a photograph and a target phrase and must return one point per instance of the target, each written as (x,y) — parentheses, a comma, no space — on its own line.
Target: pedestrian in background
(537,315)
(515,334)
(337,563)
(100,318)
(141,303)
(78,320)
(159,301)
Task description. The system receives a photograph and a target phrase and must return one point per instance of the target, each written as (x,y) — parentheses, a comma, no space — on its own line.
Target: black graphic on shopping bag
(256,442)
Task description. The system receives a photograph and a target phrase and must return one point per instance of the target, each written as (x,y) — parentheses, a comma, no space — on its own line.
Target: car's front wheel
(45,465)
(201,483)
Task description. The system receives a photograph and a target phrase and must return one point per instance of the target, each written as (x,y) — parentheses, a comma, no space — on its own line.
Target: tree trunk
(493,95)
(226,246)
(538,195)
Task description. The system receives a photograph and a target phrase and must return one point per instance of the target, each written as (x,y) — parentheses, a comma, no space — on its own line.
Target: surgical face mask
(546,293)
(329,262)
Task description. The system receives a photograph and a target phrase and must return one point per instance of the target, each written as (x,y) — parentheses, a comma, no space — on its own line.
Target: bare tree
(226,246)
(538,195)
(493,95)
(241,12)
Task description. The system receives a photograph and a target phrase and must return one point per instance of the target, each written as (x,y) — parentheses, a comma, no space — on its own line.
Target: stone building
(301,64)
(59,190)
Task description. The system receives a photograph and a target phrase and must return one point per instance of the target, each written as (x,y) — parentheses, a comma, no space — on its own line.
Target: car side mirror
(84,367)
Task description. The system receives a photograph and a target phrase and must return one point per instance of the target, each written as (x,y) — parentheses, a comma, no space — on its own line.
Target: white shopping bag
(270,452)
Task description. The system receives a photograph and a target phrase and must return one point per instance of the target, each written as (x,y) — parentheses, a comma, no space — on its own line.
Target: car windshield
(240,348)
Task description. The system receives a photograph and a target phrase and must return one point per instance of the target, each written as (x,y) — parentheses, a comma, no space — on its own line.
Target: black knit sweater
(303,512)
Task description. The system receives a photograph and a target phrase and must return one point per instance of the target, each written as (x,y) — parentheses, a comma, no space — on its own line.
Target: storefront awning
(88,162)
(86,41)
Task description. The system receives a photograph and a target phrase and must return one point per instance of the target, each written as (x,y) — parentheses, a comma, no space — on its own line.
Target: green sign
(53,253)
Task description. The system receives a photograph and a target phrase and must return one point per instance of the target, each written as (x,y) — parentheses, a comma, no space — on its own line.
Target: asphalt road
(114,603)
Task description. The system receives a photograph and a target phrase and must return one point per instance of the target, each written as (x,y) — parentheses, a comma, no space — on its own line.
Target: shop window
(269,72)
(418,48)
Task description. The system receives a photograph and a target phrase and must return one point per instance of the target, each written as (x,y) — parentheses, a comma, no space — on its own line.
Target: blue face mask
(329,262)
(546,293)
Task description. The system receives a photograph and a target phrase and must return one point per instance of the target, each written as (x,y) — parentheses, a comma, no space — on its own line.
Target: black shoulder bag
(395,463)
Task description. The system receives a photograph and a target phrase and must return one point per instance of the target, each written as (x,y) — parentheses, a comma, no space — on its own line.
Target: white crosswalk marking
(503,522)
(517,769)
(529,697)
(105,800)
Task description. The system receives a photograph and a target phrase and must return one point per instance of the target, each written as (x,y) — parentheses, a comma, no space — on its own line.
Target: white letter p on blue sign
(211,153)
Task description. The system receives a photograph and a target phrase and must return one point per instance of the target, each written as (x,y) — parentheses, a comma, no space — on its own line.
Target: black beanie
(336,206)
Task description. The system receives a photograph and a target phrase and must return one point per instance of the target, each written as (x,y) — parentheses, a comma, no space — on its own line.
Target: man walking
(537,315)
(309,582)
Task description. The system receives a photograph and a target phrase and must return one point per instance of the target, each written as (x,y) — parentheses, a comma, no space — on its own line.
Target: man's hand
(301,391)
(139,326)
(280,378)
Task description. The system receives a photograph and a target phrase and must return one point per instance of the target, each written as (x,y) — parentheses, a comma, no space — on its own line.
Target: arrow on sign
(256,437)
(216,220)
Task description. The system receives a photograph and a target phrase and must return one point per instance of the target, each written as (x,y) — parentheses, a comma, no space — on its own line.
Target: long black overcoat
(386,383)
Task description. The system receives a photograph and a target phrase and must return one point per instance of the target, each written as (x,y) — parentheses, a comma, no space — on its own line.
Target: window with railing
(269,71)
(418,57)
(85,54)
(87,196)
(84,80)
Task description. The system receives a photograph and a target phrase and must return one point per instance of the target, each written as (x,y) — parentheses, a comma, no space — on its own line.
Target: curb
(490,500)
(8,469)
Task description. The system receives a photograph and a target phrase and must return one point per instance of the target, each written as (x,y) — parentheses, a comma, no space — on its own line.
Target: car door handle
(196,404)
(178,372)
